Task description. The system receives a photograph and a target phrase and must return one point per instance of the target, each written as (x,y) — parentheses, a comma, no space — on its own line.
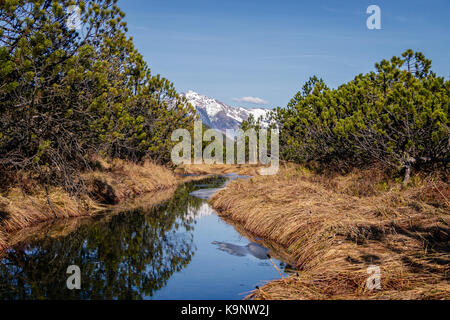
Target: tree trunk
(408,165)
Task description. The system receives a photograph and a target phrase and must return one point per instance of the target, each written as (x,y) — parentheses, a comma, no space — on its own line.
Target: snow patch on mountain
(219,116)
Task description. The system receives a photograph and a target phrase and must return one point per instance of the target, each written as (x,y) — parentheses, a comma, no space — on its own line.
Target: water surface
(179,249)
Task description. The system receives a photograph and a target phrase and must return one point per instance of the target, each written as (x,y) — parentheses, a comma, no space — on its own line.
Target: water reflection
(253,249)
(126,256)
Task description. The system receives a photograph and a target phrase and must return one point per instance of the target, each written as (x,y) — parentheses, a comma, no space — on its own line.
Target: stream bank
(110,184)
(337,228)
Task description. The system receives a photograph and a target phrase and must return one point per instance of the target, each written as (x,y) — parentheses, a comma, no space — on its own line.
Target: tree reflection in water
(126,256)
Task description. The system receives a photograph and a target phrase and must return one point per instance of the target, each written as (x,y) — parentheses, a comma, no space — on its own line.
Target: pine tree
(67,94)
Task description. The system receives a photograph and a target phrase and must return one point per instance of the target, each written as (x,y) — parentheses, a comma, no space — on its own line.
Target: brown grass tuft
(335,227)
(122,180)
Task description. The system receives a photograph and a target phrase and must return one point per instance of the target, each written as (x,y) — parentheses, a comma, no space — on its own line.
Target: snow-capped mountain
(218,115)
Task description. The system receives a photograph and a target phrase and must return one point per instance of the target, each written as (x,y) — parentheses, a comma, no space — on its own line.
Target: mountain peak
(218,115)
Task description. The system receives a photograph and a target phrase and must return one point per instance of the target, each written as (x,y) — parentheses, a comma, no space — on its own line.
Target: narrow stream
(179,249)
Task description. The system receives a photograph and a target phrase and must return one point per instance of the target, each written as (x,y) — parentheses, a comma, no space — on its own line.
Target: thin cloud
(333,10)
(341,11)
(300,56)
(253,100)
(401,19)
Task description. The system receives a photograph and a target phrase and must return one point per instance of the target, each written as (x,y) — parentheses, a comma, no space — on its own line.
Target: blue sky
(267,49)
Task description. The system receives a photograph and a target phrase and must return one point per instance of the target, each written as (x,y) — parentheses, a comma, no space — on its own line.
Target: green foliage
(66,94)
(399,112)
(246,126)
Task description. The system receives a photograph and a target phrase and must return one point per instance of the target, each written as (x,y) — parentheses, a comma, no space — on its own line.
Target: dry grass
(113,184)
(22,210)
(119,180)
(335,227)
(245,169)
(145,202)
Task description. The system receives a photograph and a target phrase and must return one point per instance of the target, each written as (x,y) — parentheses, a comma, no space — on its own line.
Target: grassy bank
(335,227)
(112,184)
(203,169)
